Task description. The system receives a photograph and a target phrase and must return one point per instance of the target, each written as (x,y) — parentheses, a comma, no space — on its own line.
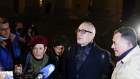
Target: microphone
(46,71)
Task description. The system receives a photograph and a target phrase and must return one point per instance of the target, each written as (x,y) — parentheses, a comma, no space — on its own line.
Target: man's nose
(112,46)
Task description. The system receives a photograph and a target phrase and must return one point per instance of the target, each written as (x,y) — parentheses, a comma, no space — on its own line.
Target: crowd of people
(25,53)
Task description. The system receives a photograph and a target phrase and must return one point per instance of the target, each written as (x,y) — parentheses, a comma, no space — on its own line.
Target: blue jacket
(5,55)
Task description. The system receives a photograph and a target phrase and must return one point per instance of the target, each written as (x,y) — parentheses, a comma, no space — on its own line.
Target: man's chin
(7,36)
(116,54)
(79,42)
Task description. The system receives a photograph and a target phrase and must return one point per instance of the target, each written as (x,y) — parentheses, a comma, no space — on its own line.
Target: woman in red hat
(36,59)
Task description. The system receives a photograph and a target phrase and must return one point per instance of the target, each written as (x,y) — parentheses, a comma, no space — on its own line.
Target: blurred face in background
(59,50)
(39,51)
(19,25)
(5,30)
(85,34)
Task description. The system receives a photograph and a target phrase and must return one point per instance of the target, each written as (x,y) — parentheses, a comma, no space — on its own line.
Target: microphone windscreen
(47,70)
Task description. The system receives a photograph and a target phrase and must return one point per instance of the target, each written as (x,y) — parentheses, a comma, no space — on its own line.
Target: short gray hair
(128,34)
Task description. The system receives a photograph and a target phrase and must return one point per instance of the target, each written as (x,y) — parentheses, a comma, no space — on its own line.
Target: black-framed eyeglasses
(82,31)
(3,29)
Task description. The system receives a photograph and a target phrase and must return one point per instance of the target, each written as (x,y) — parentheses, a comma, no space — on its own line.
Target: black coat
(91,68)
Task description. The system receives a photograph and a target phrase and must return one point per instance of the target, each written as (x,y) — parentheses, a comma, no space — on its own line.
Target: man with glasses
(86,60)
(9,47)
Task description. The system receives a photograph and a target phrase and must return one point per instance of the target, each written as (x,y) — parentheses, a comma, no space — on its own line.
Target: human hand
(18,69)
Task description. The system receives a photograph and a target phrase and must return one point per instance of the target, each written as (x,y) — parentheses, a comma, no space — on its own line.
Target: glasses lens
(2,29)
(81,31)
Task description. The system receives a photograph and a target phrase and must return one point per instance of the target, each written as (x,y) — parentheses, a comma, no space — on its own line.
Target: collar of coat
(130,54)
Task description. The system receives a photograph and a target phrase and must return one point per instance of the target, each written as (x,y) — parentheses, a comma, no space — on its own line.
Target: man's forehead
(116,36)
(60,46)
(85,26)
(4,25)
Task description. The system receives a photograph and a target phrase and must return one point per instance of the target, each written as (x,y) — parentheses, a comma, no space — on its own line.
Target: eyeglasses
(3,29)
(82,31)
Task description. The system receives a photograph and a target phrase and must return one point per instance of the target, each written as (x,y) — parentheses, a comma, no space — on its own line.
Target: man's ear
(130,44)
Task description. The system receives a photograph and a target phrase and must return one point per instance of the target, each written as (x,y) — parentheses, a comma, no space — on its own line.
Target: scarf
(36,65)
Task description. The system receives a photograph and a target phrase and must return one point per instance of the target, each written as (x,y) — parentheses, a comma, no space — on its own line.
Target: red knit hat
(37,40)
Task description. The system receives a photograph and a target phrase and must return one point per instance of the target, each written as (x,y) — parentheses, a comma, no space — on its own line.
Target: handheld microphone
(46,71)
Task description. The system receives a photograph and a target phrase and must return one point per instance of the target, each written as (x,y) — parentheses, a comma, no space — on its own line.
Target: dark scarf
(81,54)
(36,65)
(124,54)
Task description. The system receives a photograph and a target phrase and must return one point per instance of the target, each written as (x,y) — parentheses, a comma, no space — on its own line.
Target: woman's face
(39,51)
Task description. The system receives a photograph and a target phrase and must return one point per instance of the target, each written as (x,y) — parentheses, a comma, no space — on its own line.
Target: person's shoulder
(72,47)
(101,50)
(106,52)
(13,35)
